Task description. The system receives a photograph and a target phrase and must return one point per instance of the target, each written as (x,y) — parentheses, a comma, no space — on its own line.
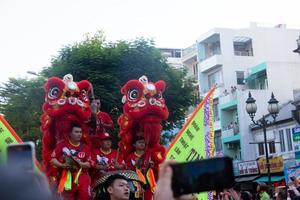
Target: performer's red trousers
(80,191)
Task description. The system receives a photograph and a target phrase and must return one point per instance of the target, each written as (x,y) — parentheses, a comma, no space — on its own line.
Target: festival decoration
(195,141)
(66,101)
(143,111)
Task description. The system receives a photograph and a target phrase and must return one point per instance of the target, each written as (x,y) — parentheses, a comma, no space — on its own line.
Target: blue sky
(33,31)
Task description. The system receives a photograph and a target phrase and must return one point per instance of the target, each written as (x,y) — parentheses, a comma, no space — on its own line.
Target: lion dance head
(143,111)
(66,101)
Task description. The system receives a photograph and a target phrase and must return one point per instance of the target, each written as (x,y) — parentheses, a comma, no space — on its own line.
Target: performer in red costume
(101,122)
(104,121)
(105,158)
(66,102)
(143,111)
(72,158)
(139,160)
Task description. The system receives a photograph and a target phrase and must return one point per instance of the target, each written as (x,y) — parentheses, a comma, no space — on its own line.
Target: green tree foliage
(21,104)
(108,66)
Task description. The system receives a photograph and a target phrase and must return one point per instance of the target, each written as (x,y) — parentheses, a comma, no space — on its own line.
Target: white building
(256,59)
(173,57)
(279,135)
(189,61)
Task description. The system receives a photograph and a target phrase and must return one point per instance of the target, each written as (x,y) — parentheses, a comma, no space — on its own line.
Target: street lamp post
(273,109)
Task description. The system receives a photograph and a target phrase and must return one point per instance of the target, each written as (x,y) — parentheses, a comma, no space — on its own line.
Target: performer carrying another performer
(72,158)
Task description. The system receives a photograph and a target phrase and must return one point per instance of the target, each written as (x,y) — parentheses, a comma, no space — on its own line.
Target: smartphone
(202,175)
(21,156)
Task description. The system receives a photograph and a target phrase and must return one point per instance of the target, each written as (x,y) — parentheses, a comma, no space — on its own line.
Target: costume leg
(69,195)
(84,187)
(148,195)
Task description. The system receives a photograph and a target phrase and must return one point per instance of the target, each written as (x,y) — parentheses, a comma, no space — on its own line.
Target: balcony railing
(212,52)
(190,50)
(230,131)
(243,53)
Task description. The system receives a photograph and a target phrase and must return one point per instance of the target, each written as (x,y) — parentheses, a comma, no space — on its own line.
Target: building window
(258,80)
(261,150)
(218,141)
(195,70)
(240,77)
(214,78)
(242,46)
(289,139)
(272,147)
(282,144)
(216,110)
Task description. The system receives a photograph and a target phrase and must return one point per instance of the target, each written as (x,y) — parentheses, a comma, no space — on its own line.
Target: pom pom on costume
(66,102)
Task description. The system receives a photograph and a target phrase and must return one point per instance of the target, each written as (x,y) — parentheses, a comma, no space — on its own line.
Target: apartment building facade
(256,59)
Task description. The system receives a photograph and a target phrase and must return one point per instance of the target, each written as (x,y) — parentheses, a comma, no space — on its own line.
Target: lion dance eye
(159,95)
(84,95)
(133,94)
(53,93)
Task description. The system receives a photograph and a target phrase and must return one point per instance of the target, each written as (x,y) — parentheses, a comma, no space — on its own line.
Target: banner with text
(7,136)
(195,140)
(276,165)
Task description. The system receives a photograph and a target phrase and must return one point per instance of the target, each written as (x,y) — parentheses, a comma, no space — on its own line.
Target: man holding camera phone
(72,158)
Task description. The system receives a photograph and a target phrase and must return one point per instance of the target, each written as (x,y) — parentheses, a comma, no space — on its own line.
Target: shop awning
(273,179)
(256,71)
(246,178)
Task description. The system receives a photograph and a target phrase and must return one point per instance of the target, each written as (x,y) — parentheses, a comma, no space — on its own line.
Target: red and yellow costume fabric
(104,122)
(77,181)
(106,159)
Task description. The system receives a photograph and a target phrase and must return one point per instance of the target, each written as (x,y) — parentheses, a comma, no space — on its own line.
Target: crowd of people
(79,165)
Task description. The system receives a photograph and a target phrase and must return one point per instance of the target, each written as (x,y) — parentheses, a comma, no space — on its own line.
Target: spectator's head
(16,184)
(116,186)
(281,195)
(245,195)
(76,132)
(261,187)
(105,141)
(139,143)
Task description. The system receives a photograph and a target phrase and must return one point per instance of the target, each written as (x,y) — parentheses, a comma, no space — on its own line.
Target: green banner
(195,140)
(186,148)
(7,136)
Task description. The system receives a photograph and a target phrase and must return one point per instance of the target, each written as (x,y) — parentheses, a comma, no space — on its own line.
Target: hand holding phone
(21,156)
(202,175)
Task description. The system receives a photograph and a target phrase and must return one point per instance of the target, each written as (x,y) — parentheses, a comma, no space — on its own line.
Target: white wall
(283,77)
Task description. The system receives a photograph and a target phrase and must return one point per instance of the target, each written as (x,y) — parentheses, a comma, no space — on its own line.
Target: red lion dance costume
(66,101)
(143,111)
